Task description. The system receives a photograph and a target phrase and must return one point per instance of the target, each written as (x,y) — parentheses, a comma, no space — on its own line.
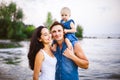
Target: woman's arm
(37,66)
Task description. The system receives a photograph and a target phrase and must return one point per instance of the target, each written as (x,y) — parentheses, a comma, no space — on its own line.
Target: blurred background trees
(79,32)
(49,20)
(13,27)
(11,24)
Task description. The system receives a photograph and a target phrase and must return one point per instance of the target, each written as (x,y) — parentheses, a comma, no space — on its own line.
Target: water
(14,63)
(103,56)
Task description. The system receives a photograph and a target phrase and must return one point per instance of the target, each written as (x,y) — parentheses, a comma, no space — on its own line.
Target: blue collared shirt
(66,69)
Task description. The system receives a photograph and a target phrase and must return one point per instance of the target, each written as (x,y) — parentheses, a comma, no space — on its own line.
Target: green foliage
(4,23)
(11,25)
(18,28)
(19,14)
(49,20)
(79,32)
(12,8)
(29,29)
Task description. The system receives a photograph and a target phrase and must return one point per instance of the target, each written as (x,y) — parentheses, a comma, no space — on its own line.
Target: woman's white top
(48,68)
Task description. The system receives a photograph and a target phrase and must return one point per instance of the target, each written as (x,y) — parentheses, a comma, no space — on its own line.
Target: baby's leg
(69,44)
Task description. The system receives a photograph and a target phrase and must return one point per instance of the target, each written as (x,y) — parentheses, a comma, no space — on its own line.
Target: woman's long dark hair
(35,46)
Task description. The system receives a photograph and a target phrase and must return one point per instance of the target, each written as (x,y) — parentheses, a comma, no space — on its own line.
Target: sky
(95,16)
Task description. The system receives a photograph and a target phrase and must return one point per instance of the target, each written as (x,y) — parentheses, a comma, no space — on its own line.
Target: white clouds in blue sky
(95,16)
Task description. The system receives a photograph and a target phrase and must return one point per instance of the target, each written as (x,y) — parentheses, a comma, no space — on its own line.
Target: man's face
(57,32)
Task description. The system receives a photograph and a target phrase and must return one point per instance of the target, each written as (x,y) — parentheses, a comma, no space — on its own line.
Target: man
(67,61)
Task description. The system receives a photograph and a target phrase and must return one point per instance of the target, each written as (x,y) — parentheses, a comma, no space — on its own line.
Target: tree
(49,20)
(29,29)
(11,25)
(10,18)
(79,32)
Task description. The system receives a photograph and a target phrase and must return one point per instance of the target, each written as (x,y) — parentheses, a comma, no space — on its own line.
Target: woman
(41,59)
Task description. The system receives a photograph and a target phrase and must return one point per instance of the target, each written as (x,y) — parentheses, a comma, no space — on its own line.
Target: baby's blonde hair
(66,9)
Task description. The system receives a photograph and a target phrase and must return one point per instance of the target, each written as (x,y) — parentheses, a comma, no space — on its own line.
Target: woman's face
(57,32)
(45,36)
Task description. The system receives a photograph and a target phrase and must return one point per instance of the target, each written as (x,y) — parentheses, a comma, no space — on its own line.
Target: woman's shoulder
(39,57)
(40,53)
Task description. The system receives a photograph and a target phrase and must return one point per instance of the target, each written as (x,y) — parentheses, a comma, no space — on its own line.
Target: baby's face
(65,15)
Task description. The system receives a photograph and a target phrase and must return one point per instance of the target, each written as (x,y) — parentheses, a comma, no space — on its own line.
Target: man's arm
(79,58)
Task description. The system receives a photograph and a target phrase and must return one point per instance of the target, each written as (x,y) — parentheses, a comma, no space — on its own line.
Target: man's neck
(60,43)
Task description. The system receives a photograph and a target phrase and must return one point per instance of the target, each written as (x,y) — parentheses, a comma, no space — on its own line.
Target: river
(103,56)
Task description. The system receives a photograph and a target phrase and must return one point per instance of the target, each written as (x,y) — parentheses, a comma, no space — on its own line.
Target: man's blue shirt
(66,69)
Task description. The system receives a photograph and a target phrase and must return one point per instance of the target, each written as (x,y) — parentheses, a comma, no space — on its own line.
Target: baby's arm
(69,44)
(72,30)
